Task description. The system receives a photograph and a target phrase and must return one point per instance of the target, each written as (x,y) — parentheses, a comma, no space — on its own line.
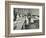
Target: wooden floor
(32,26)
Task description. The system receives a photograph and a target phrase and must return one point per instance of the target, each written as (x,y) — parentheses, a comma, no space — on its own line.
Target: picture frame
(9,5)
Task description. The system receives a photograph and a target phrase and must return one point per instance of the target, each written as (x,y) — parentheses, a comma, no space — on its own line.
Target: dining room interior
(25,18)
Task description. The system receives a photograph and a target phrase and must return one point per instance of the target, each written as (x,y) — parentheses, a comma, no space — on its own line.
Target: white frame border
(26,31)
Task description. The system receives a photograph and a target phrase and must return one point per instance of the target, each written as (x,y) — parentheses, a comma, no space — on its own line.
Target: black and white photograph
(25,18)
